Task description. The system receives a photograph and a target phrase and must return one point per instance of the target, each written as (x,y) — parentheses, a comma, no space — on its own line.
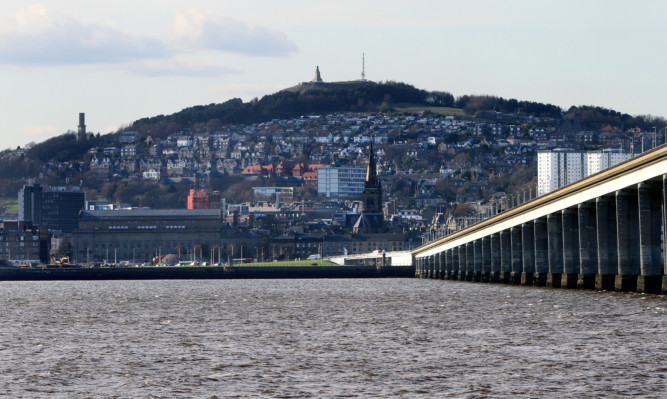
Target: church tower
(371,219)
(372,188)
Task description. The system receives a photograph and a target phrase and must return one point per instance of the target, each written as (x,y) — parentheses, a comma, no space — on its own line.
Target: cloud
(178,67)
(203,31)
(37,36)
(40,36)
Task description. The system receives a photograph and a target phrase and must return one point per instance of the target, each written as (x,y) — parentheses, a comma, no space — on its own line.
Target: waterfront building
(24,243)
(139,235)
(56,208)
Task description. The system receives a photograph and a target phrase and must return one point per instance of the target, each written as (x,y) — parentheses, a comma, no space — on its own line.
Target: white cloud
(205,31)
(39,36)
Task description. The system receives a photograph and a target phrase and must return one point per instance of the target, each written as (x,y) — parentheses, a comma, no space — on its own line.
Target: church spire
(371,169)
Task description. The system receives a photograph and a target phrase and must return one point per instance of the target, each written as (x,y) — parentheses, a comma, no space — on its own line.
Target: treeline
(302,100)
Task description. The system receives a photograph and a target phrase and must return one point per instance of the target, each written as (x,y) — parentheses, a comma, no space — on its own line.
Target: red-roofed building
(259,170)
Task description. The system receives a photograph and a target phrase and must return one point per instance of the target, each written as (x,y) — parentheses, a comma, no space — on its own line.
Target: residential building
(338,183)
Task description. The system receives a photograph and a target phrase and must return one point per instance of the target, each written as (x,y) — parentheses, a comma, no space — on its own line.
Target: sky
(124,60)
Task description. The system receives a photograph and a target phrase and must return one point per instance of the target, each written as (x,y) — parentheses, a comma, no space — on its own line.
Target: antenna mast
(363,67)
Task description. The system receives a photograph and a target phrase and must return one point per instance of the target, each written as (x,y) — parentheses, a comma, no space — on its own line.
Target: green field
(9,205)
(444,111)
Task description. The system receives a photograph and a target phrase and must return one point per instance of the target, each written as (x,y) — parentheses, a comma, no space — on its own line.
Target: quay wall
(163,273)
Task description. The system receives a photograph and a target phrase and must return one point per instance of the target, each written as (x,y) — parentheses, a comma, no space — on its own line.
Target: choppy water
(327,338)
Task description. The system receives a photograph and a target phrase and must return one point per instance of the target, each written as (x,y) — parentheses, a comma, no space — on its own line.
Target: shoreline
(203,272)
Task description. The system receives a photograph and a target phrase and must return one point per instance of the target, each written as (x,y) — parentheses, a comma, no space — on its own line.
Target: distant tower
(363,67)
(82,126)
(317,78)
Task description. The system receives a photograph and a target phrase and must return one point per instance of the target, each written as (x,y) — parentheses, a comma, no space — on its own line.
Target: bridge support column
(570,248)
(588,257)
(477,260)
(541,251)
(664,228)
(505,256)
(517,255)
(486,259)
(555,242)
(455,263)
(443,266)
(495,258)
(447,259)
(627,235)
(607,248)
(528,253)
(470,261)
(650,223)
(462,262)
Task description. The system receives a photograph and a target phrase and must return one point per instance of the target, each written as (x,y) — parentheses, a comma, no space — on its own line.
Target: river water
(327,338)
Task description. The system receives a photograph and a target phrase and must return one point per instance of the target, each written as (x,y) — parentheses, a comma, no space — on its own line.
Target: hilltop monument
(318,77)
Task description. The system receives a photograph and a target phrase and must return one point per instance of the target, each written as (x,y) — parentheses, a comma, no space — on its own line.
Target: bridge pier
(588,257)
(664,228)
(447,275)
(517,255)
(462,262)
(455,263)
(541,251)
(477,260)
(528,253)
(627,233)
(650,224)
(495,258)
(486,259)
(470,261)
(570,248)
(555,243)
(606,240)
(505,256)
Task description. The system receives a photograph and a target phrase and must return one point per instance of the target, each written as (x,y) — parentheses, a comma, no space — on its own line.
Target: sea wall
(160,273)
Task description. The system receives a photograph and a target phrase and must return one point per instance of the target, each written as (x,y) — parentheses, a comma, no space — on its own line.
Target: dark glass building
(56,208)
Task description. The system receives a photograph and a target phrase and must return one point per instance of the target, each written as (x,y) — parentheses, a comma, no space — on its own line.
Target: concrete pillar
(588,246)
(486,259)
(555,242)
(470,261)
(664,229)
(517,255)
(462,262)
(505,256)
(541,251)
(455,263)
(650,243)
(477,260)
(606,238)
(627,236)
(447,264)
(570,248)
(495,257)
(528,253)
(441,258)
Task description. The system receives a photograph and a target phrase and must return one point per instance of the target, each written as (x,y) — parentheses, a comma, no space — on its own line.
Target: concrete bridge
(604,232)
